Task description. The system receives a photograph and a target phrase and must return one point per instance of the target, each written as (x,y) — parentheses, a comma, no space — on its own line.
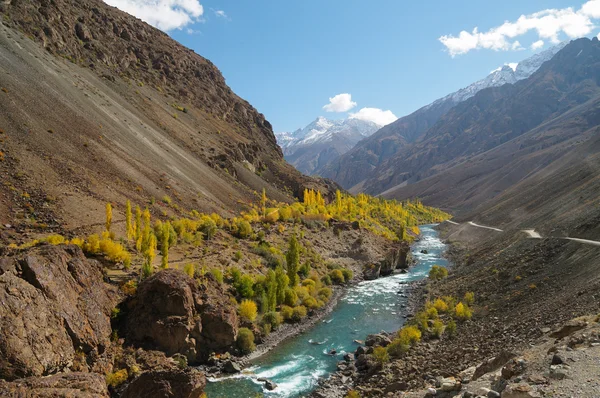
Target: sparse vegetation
(437,273)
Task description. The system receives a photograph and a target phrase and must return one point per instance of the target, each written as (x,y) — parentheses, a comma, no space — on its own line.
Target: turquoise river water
(368,307)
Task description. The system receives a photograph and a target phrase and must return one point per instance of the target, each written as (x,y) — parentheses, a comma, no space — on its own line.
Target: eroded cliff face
(55,306)
(171,313)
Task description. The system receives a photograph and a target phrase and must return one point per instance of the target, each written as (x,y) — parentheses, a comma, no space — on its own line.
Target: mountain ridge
(358,164)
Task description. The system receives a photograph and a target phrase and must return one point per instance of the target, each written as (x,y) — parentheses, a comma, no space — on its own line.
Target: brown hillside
(98,106)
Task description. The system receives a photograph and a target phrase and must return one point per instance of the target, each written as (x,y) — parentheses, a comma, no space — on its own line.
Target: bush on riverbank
(245,341)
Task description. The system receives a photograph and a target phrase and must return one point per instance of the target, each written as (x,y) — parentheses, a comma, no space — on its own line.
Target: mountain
(509,146)
(323,141)
(96,97)
(355,167)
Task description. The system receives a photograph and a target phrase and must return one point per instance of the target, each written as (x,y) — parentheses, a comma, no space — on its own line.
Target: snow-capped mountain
(323,140)
(506,74)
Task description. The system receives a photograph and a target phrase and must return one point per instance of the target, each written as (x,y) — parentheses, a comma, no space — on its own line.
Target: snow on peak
(509,73)
(323,130)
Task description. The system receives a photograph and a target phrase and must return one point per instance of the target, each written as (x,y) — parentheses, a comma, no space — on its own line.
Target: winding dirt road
(531,232)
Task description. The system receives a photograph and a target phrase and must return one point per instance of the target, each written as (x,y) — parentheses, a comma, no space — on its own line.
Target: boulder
(520,390)
(371,272)
(492,364)
(171,313)
(377,340)
(569,328)
(54,304)
(72,385)
(270,385)
(231,367)
(514,367)
(188,383)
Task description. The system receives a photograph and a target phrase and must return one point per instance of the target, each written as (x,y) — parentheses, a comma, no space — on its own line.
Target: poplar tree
(108,216)
(263,202)
(282,283)
(293,260)
(128,220)
(138,228)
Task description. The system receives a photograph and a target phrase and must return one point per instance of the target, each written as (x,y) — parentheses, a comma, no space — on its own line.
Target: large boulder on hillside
(171,313)
(54,303)
(187,383)
(72,385)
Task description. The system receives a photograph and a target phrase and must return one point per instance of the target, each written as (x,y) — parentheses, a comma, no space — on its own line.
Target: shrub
(410,335)
(337,276)
(431,313)
(301,292)
(235,274)
(129,288)
(242,229)
(462,312)
(438,328)
(167,200)
(311,303)
(326,280)
(115,252)
(117,378)
(397,347)
(290,297)
(237,256)
(245,340)
(208,227)
(304,269)
(451,327)
(324,293)
(286,312)
(272,318)
(381,355)
(437,273)
(348,274)
(55,239)
(248,310)
(244,286)
(298,313)
(440,305)
(217,274)
(469,298)
(190,270)
(353,394)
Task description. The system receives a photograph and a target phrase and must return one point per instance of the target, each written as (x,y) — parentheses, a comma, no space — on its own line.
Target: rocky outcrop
(72,385)
(55,304)
(187,383)
(397,258)
(173,314)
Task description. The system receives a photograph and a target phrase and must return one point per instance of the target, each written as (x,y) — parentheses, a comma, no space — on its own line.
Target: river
(366,308)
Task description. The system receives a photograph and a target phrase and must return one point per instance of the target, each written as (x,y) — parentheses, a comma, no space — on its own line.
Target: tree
(138,228)
(271,287)
(263,202)
(282,282)
(293,260)
(128,220)
(149,255)
(108,216)
(146,230)
(165,245)
(245,340)
(248,310)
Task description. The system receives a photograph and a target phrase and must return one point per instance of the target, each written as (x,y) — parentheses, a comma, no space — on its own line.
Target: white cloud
(163,14)
(537,45)
(340,103)
(375,115)
(549,24)
(220,13)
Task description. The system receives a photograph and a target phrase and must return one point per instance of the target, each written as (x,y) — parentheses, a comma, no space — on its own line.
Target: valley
(159,239)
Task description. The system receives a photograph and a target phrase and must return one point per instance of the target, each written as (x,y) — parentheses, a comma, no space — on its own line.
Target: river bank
(298,365)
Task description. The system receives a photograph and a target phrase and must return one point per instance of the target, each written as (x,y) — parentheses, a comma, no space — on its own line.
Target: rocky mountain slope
(322,141)
(509,140)
(98,106)
(360,163)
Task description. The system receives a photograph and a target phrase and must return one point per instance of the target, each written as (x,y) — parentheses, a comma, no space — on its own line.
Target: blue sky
(287,58)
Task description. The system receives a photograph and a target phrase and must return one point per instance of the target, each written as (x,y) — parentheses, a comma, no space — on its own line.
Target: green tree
(271,287)
(282,282)
(293,260)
